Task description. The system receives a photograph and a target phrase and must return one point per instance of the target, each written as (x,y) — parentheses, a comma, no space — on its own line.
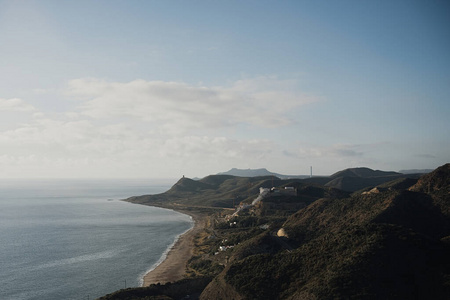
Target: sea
(76,239)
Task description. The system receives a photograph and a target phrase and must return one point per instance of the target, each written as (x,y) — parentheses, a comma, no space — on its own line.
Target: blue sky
(172,88)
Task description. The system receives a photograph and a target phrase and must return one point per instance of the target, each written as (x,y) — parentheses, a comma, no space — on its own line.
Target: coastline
(173,267)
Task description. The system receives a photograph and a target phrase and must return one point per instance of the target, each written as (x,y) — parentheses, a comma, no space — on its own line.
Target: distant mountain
(362,172)
(416,171)
(355,179)
(214,191)
(189,185)
(352,179)
(258,173)
(248,172)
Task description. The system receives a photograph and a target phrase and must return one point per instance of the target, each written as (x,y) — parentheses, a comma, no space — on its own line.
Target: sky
(162,89)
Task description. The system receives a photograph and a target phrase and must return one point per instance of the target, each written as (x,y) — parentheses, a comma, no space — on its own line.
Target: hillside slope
(258,173)
(355,179)
(219,191)
(362,172)
(384,244)
(391,240)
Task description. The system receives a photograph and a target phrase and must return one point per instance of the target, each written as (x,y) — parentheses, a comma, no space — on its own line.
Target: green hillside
(362,172)
(305,240)
(220,191)
(380,245)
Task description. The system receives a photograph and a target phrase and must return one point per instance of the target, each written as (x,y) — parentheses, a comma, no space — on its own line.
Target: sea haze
(74,239)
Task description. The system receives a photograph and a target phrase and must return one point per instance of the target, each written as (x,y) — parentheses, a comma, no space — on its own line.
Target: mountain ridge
(257,173)
(363,172)
(383,244)
(307,240)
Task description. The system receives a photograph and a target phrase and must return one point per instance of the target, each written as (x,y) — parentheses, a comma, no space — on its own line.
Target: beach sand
(173,268)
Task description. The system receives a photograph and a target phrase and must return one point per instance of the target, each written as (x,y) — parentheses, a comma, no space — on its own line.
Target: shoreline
(173,267)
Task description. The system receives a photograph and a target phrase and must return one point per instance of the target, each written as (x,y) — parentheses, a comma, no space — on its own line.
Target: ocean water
(75,239)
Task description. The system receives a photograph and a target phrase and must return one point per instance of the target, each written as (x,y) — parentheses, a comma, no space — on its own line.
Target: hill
(362,172)
(355,179)
(305,239)
(213,191)
(416,171)
(436,183)
(384,244)
(258,172)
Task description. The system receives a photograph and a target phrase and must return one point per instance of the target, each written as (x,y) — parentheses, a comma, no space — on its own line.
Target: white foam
(164,255)
(81,258)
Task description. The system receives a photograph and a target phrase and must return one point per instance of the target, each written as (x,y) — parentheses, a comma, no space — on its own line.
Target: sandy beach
(173,268)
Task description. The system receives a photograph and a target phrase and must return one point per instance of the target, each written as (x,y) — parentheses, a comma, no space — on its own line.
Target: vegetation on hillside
(390,240)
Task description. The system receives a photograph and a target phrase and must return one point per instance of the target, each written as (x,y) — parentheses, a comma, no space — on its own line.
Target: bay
(75,239)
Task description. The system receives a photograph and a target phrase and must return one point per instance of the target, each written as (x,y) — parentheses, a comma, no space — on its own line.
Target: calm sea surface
(74,239)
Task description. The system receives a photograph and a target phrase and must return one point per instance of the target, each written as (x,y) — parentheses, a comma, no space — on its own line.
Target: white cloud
(327,159)
(70,148)
(147,129)
(177,107)
(203,147)
(15,105)
(335,151)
